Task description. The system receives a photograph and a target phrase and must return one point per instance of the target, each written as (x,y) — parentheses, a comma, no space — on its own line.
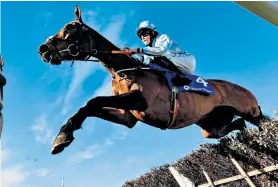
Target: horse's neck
(113,62)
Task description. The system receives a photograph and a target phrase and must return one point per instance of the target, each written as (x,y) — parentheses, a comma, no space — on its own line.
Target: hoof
(206,134)
(239,124)
(61,141)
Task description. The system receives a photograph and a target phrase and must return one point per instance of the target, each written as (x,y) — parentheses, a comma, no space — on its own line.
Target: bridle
(74,49)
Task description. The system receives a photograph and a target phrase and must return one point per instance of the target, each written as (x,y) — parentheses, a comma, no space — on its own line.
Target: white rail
(267,10)
(185,182)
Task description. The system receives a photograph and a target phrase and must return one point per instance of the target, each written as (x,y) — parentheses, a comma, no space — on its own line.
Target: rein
(74,51)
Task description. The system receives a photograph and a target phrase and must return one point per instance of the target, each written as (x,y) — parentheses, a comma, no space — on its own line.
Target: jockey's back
(163,45)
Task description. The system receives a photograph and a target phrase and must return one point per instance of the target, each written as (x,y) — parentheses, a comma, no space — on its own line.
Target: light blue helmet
(145,25)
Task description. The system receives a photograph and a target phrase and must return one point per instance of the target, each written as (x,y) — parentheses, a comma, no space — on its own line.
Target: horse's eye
(66,35)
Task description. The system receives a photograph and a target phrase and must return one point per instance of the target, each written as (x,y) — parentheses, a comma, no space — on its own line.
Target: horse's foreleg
(133,100)
(96,108)
(119,116)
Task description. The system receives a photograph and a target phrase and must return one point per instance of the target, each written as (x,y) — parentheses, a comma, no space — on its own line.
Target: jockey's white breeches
(185,63)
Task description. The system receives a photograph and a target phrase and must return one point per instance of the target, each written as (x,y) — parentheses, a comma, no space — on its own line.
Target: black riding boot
(180,79)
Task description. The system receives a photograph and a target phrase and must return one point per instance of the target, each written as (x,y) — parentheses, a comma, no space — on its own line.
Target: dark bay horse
(147,93)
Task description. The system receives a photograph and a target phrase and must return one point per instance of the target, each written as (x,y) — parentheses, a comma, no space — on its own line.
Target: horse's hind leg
(253,115)
(238,124)
(220,122)
(97,107)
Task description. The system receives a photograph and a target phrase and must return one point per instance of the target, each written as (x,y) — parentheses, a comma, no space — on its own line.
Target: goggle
(144,32)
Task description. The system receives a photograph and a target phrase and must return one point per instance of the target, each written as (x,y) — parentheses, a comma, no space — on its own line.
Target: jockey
(162,46)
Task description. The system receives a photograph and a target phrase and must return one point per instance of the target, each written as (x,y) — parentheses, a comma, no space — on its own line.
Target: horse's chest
(122,86)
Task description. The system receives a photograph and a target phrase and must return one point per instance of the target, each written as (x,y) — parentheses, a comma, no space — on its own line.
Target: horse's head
(72,42)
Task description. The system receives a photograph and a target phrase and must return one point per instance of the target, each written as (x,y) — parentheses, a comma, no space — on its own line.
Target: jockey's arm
(163,43)
(138,57)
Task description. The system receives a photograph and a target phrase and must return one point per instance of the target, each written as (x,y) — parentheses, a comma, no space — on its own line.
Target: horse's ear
(78,14)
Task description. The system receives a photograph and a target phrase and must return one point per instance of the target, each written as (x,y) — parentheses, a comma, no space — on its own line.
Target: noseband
(74,50)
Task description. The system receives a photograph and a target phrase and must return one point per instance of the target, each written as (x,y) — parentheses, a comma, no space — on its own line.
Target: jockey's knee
(192,63)
(187,64)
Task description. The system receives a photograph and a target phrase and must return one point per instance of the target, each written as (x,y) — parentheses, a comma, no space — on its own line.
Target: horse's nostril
(43,48)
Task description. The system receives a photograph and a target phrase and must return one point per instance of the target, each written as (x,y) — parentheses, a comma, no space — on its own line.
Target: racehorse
(148,93)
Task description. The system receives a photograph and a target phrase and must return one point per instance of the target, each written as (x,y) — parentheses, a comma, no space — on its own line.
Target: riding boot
(180,79)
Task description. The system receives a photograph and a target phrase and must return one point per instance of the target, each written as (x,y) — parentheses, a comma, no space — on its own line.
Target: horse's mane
(114,61)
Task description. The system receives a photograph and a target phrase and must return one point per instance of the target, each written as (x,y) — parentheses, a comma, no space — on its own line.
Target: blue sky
(228,42)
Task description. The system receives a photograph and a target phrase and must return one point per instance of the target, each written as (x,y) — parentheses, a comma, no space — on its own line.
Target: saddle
(179,82)
(183,82)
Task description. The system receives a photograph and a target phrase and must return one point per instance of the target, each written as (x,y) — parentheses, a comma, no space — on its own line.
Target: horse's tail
(264,117)
(260,119)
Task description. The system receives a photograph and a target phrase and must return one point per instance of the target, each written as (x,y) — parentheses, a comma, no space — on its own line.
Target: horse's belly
(152,118)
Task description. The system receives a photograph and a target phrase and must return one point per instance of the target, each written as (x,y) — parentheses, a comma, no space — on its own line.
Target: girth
(174,106)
